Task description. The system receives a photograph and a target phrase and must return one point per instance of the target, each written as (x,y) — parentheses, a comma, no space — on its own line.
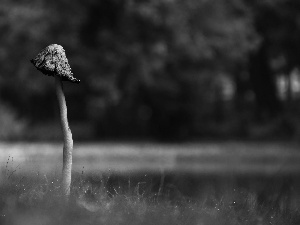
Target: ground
(152,184)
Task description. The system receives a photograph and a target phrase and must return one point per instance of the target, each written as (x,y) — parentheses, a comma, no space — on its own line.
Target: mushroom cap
(52,61)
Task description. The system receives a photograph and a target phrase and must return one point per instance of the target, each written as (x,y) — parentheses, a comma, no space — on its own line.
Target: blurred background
(197,97)
(164,70)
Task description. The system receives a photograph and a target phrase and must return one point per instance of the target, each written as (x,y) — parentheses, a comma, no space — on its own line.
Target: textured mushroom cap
(52,61)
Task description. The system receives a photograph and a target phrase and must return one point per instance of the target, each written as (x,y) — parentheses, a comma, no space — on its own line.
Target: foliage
(11,127)
(153,66)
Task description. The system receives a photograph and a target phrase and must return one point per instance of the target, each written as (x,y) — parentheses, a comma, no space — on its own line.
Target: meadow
(147,183)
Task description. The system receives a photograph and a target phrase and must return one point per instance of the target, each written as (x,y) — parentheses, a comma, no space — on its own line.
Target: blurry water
(231,158)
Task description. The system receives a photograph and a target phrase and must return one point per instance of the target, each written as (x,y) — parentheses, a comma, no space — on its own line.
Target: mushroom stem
(68,141)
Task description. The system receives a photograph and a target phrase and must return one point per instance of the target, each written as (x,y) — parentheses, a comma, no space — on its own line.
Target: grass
(111,199)
(32,196)
(200,158)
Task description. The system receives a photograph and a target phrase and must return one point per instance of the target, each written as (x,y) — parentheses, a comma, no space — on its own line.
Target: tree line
(155,69)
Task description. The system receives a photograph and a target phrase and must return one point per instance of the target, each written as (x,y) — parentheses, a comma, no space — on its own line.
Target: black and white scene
(150,112)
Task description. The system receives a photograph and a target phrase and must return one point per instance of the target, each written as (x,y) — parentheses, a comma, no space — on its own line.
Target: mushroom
(52,61)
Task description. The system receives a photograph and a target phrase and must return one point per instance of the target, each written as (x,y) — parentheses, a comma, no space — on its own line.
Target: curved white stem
(68,141)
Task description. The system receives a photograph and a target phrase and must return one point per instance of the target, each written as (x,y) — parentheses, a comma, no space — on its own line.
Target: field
(147,183)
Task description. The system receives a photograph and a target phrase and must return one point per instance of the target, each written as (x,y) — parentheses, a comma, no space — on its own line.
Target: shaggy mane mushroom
(52,61)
